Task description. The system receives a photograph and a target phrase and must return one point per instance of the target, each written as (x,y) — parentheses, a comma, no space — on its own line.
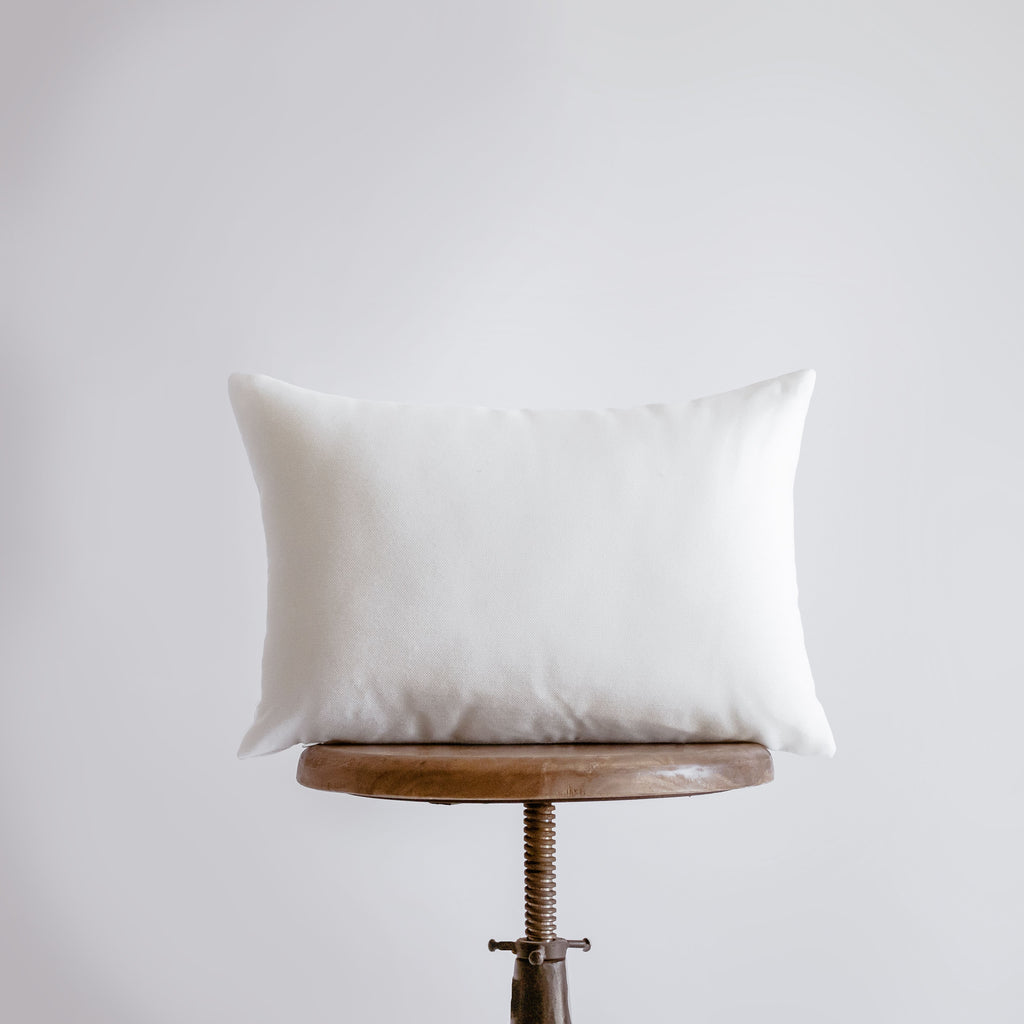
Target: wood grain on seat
(446,773)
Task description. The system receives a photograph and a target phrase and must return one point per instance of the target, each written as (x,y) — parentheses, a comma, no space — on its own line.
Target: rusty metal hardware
(539,992)
(539,870)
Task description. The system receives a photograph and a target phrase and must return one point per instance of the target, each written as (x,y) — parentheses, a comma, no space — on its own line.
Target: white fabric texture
(470,575)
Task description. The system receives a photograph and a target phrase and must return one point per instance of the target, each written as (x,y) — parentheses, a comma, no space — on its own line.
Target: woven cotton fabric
(471,575)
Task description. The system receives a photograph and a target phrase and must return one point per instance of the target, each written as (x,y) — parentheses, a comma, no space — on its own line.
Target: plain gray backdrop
(536,204)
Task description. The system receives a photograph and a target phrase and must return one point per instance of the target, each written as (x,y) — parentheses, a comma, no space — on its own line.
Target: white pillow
(468,575)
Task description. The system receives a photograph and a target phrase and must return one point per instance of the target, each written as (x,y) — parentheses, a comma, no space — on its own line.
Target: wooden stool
(537,776)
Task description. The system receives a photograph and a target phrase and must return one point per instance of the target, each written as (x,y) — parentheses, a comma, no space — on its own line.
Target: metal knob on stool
(539,991)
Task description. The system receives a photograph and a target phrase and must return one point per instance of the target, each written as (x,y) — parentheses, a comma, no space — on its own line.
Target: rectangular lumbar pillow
(469,575)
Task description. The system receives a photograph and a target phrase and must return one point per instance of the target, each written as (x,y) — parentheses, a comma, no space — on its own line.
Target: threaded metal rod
(539,870)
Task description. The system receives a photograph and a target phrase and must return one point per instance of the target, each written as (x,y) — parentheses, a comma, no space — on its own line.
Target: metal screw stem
(539,871)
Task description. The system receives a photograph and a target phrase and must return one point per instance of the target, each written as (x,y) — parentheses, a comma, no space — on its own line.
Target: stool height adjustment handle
(539,993)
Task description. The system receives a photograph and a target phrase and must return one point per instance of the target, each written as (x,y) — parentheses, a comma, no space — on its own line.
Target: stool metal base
(539,993)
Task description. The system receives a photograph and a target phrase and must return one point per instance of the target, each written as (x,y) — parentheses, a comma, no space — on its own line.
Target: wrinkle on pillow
(469,575)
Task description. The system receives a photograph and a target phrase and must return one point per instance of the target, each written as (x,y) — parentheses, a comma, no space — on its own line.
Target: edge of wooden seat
(515,773)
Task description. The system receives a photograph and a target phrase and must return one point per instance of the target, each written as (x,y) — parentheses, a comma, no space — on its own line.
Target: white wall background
(541,204)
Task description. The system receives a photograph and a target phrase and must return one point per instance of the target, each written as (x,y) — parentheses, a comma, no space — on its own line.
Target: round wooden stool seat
(448,773)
